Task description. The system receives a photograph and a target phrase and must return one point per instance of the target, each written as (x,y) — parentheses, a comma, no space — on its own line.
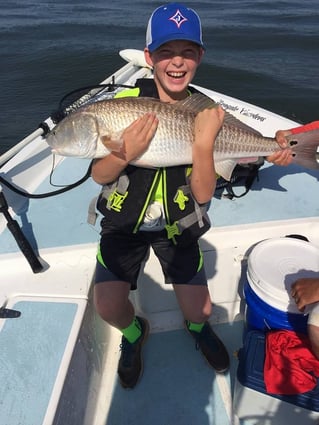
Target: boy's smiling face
(174,64)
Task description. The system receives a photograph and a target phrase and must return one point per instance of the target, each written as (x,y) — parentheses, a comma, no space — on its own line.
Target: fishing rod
(20,238)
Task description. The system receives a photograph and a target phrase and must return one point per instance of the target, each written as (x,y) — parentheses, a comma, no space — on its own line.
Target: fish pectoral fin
(225,168)
(113,142)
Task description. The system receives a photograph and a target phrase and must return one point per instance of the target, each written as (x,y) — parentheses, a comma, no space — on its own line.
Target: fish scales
(175,134)
(227,143)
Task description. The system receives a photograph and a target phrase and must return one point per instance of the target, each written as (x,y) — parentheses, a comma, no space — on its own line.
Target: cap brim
(172,37)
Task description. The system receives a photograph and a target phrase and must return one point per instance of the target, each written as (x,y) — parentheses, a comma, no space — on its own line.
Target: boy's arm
(203,177)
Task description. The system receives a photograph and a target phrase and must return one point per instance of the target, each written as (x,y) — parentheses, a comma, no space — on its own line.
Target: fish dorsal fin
(196,102)
(231,120)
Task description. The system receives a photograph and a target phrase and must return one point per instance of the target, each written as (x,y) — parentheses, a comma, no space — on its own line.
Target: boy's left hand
(207,125)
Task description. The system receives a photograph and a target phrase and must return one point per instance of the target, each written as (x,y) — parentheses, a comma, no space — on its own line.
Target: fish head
(76,135)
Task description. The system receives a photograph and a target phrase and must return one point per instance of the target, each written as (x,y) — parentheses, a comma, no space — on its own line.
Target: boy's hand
(137,136)
(203,178)
(207,125)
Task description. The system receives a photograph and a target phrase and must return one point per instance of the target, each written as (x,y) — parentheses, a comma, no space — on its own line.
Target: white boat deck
(177,387)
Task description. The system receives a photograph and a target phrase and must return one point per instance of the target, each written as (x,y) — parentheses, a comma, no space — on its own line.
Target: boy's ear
(201,54)
(148,57)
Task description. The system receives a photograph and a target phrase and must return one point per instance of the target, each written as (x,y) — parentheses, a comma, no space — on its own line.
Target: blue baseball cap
(170,22)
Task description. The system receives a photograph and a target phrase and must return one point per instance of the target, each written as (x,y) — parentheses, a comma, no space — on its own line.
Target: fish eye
(293,143)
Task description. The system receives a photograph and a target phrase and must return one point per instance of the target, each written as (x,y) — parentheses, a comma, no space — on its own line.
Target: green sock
(133,331)
(196,327)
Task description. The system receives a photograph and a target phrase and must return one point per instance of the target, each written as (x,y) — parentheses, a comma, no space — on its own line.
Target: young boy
(174,49)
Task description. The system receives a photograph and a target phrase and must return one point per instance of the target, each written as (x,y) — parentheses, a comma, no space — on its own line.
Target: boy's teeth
(176,74)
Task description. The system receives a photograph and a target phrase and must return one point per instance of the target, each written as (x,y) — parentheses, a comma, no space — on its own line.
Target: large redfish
(94,130)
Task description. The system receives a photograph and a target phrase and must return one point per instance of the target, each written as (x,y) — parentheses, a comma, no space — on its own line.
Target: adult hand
(284,156)
(305,291)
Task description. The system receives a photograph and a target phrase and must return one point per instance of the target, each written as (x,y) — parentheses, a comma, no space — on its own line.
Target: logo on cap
(178,18)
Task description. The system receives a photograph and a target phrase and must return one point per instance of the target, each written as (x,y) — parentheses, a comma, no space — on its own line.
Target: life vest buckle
(172,230)
(116,199)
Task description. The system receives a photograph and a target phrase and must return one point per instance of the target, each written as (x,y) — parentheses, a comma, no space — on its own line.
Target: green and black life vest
(123,202)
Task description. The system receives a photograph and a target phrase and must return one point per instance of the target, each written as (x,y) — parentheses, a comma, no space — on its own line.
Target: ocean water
(263,51)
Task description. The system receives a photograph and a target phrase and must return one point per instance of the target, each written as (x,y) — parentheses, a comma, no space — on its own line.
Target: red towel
(290,366)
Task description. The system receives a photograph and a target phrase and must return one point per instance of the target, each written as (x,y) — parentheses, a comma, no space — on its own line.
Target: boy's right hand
(138,135)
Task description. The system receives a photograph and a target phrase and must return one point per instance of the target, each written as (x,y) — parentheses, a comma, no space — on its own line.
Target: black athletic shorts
(121,256)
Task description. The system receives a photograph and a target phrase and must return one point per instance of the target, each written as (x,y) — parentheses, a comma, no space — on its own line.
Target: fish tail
(305,148)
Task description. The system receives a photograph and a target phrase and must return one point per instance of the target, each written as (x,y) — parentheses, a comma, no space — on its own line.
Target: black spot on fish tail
(293,143)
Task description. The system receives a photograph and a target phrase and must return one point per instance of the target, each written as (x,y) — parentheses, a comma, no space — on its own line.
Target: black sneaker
(212,347)
(130,365)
